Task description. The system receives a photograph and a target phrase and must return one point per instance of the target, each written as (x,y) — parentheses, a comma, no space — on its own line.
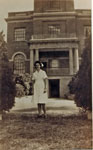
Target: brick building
(53,33)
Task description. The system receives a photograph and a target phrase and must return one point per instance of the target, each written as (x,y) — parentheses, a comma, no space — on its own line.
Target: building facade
(53,33)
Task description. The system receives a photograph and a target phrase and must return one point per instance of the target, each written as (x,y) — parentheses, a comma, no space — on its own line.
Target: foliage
(19,90)
(7,85)
(80,85)
(23,85)
(3,45)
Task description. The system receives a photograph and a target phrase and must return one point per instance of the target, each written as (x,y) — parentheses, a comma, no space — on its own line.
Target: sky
(28,5)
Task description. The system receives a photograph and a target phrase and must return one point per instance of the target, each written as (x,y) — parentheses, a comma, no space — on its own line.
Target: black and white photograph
(46,75)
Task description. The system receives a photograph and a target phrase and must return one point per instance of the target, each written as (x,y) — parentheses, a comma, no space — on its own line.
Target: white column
(76,60)
(71,61)
(31,61)
(36,54)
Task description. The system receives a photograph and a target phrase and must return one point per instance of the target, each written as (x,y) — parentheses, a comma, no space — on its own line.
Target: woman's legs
(39,109)
(44,109)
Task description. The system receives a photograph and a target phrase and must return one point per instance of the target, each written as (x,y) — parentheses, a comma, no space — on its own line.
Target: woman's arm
(45,85)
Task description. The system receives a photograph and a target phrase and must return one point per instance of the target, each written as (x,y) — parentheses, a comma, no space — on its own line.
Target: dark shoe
(39,116)
(44,116)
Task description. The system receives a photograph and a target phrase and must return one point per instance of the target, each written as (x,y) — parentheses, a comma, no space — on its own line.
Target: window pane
(54,4)
(59,63)
(19,34)
(55,63)
(54,29)
(19,64)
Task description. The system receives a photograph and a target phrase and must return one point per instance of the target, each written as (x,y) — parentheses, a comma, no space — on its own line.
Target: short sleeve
(33,77)
(44,75)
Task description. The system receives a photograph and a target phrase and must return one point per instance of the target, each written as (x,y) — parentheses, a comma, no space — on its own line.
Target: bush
(7,90)
(80,85)
(7,85)
(23,85)
(19,90)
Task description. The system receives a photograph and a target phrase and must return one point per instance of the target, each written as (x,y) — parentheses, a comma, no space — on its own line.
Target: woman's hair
(37,62)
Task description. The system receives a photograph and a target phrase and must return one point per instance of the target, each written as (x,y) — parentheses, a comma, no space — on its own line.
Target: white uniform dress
(39,96)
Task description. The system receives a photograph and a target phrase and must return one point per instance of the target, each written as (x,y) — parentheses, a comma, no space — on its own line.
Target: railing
(49,36)
(57,71)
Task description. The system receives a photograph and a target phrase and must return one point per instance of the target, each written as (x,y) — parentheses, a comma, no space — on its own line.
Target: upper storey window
(54,29)
(87,31)
(19,34)
(54,4)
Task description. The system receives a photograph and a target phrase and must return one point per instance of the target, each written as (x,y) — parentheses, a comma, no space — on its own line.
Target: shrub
(19,90)
(80,85)
(23,85)
(7,85)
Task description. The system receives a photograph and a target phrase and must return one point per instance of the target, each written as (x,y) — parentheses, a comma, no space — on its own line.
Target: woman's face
(37,66)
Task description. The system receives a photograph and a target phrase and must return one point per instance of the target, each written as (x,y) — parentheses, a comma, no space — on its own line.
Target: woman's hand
(45,83)
(45,90)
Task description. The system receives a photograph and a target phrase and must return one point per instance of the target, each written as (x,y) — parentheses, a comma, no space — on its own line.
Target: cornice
(57,40)
(47,15)
(19,18)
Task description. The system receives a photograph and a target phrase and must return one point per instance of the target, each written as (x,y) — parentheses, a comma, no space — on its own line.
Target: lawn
(57,132)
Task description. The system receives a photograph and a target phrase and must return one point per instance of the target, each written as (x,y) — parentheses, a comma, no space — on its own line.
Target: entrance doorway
(54,88)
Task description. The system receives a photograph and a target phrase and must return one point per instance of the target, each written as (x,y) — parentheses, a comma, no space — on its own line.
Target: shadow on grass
(48,108)
(17,116)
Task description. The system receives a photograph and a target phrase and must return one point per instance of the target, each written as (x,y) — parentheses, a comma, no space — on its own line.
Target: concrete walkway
(54,106)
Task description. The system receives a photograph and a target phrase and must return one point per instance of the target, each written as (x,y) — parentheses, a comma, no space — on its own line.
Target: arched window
(19,64)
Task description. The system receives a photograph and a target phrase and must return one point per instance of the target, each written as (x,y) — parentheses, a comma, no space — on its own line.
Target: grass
(57,132)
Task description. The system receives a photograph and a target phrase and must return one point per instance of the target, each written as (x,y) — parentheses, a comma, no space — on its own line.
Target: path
(54,106)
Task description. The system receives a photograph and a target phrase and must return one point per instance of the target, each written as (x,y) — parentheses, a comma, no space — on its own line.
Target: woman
(39,88)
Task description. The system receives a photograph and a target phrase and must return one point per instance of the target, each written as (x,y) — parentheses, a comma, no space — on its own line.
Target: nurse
(39,80)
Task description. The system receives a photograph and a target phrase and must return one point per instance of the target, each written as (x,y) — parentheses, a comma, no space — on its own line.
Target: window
(54,29)
(54,4)
(87,31)
(19,34)
(59,63)
(54,63)
(19,64)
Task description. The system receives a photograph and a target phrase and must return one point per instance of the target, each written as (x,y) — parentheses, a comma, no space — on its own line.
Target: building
(53,33)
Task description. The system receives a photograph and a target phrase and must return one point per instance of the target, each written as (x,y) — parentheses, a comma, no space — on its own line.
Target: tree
(80,85)
(7,85)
